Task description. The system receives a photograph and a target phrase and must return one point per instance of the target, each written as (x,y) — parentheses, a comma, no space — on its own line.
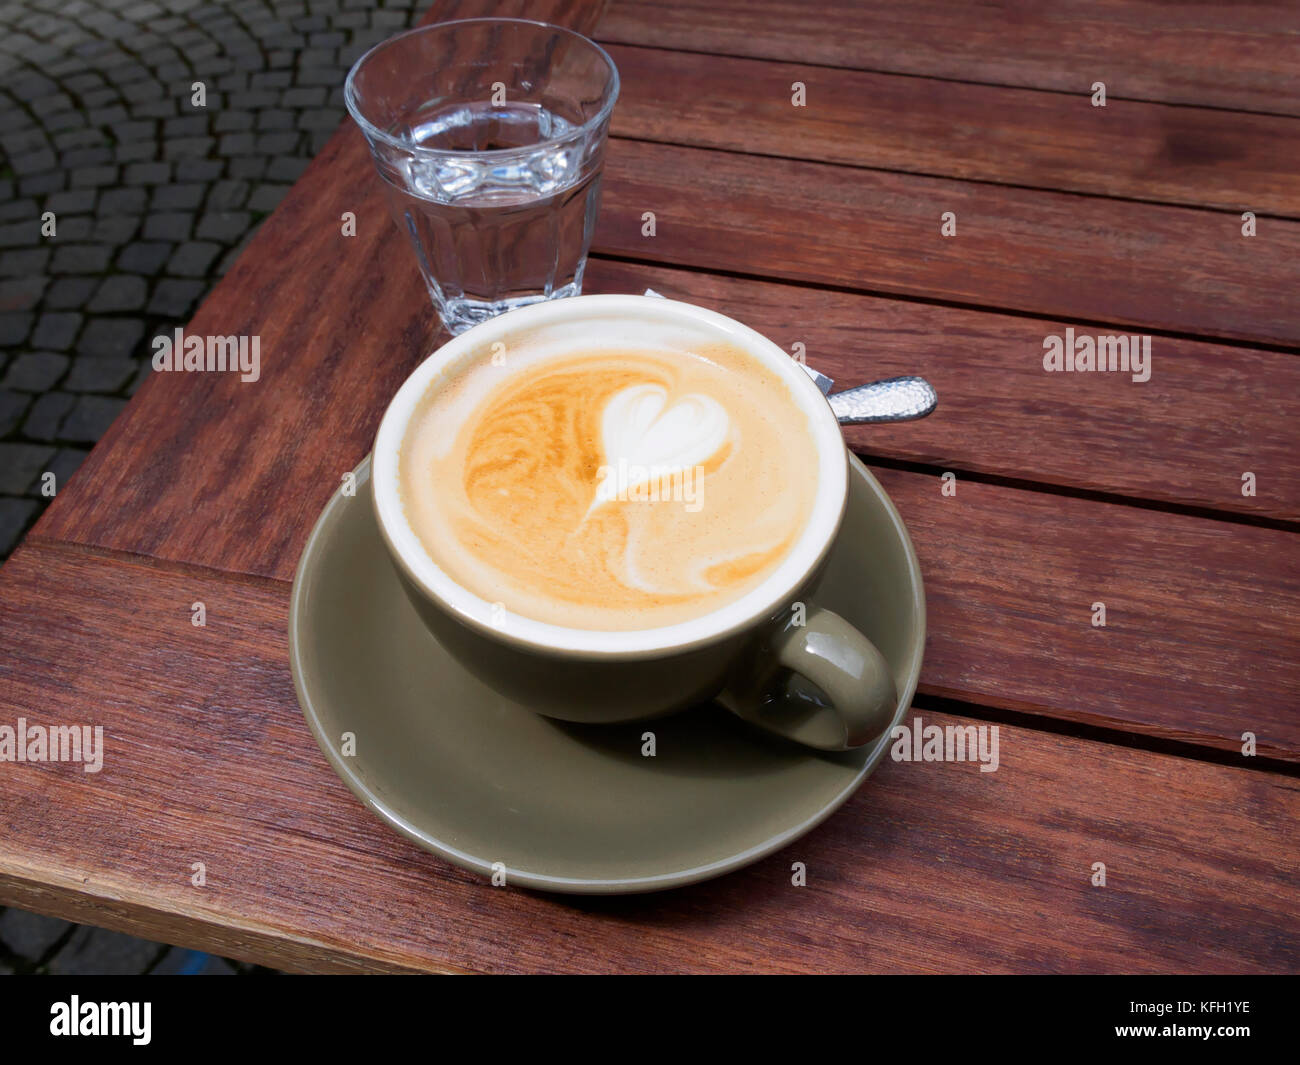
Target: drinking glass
(489,135)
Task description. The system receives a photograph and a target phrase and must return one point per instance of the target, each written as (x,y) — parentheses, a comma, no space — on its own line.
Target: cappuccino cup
(611,508)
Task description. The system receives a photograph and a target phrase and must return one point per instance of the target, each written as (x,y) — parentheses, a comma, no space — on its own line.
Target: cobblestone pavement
(33,944)
(152,198)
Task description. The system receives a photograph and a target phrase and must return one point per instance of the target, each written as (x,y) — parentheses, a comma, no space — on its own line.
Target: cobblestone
(19,466)
(227,195)
(45,417)
(81,227)
(94,176)
(224,226)
(81,259)
(174,298)
(14,328)
(199,169)
(121,292)
(153,199)
(35,371)
(30,933)
(15,516)
(13,405)
(100,375)
(22,293)
(56,330)
(74,201)
(144,257)
(11,209)
(193,259)
(70,292)
(97,950)
(267,197)
(140,174)
(110,336)
(251,167)
(43,183)
(177,197)
(173,225)
(24,263)
(90,418)
(123,201)
(115,229)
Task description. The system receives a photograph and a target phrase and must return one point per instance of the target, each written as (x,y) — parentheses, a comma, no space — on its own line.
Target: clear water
(495,233)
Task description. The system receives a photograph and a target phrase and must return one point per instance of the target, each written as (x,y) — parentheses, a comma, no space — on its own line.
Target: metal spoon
(895,399)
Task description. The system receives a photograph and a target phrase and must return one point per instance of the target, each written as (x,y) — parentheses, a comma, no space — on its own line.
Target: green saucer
(491,786)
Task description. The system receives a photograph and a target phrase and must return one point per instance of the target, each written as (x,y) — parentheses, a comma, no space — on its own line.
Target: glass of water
(489,135)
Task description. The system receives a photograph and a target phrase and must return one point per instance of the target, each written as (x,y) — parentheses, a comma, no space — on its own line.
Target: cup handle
(838,659)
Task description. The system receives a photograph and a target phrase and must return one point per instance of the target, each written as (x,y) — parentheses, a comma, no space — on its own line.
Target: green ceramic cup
(774,657)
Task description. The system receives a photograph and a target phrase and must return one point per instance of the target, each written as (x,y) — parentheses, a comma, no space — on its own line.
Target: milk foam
(506,472)
(645,440)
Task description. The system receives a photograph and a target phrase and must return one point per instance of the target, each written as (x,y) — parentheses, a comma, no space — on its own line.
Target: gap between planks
(945,79)
(939,175)
(1115,737)
(1118,499)
(939,301)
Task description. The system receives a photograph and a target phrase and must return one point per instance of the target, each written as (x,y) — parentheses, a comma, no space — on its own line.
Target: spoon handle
(897,399)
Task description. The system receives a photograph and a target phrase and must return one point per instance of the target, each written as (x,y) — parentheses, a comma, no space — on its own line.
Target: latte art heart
(644,442)
(609,489)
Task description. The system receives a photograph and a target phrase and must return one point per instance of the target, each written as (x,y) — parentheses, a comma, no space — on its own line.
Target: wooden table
(819,225)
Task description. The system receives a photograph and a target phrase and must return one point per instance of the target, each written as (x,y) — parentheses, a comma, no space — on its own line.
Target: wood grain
(208,759)
(1143,151)
(1200,642)
(1052,254)
(1239,55)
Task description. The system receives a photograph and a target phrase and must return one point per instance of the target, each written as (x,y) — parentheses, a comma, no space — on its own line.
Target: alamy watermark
(74,1017)
(211,354)
(1084,354)
(630,483)
(53,743)
(919,742)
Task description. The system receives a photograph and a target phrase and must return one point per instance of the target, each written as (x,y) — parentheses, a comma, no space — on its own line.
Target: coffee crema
(609,489)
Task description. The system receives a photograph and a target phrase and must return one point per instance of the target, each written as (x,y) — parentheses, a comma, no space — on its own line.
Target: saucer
(486,783)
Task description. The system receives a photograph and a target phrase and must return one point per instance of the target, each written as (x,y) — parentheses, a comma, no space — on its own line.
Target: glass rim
(373,132)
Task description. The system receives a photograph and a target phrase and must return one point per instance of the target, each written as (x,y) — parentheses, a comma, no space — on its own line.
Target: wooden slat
(208,759)
(1047,253)
(1238,55)
(1141,151)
